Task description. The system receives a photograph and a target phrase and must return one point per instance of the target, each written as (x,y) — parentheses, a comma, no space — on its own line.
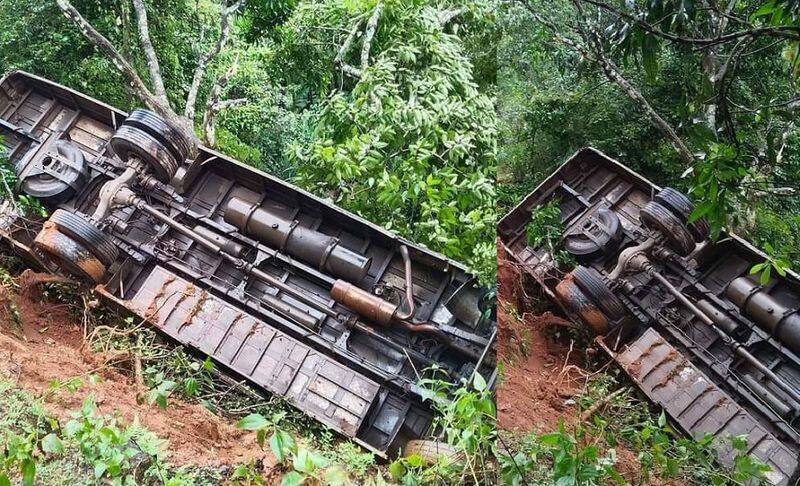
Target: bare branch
(135,83)
(97,39)
(156,80)
(214,105)
(369,34)
(202,64)
(338,61)
(225,104)
(447,16)
(782,31)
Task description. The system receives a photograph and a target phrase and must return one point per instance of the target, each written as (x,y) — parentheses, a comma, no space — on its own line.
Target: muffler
(323,251)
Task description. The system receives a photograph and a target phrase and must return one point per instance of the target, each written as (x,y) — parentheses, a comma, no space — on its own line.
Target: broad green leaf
(52,444)
(478,382)
(28,472)
(293,478)
(253,421)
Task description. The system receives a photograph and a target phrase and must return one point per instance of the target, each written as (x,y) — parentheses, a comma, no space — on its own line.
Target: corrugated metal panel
(326,390)
(692,400)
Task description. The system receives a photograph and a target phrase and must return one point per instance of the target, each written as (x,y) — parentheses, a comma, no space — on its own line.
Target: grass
(585,453)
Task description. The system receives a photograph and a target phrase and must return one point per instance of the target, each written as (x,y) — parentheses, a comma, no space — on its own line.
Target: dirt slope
(537,381)
(541,375)
(46,345)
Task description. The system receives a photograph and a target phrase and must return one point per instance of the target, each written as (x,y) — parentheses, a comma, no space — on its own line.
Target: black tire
(573,298)
(431,450)
(589,280)
(87,235)
(589,246)
(67,255)
(680,205)
(131,142)
(156,126)
(656,217)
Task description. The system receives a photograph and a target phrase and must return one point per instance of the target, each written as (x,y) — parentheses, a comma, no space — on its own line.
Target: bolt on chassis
(279,287)
(680,313)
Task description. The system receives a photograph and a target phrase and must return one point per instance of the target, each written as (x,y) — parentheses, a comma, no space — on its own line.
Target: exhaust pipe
(323,251)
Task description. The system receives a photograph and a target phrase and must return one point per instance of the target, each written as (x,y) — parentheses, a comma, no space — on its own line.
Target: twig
(596,406)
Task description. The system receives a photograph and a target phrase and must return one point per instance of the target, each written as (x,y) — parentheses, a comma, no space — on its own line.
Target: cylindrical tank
(323,251)
(227,244)
(774,317)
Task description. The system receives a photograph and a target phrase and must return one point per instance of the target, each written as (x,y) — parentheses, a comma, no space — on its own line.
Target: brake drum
(57,176)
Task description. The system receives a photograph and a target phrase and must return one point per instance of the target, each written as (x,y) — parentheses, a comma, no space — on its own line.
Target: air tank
(779,320)
(322,251)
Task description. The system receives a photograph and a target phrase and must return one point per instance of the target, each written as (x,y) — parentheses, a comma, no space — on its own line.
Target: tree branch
(135,83)
(338,61)
(372,25)
(214,105)
(158,104)
(225,104)
(205,59)
(446,16)
(593,51)
(781,31)
(156,80)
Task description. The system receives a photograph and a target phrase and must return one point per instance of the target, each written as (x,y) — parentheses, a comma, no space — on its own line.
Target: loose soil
(45,343)
(541,374)
(537,380)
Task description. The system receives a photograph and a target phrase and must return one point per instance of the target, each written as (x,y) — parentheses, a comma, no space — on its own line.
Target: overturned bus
(681,314)
(279,287)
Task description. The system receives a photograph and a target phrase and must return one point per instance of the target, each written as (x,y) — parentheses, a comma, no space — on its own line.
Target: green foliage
(780,264)
(545,230)
(411,144)
(37,449)
(111,451)
(465,418)
(302,463)
(575,462)
(353,459)
(717,178)
(8,181)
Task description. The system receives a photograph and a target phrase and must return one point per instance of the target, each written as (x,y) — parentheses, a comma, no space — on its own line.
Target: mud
(46,345)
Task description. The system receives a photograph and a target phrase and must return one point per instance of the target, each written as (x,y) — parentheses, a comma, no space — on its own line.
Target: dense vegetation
(382,106)
(701,96)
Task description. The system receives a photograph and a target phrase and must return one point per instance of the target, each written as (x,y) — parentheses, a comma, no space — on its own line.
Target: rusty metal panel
(321,387)
(700,407)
